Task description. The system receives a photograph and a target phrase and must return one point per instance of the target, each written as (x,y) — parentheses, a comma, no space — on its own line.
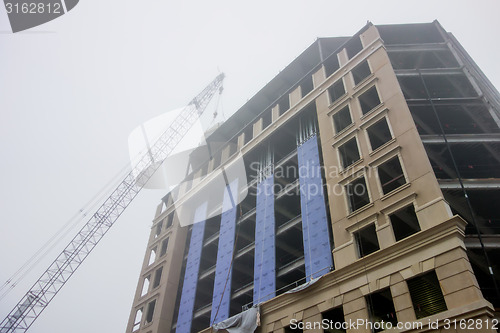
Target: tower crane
(38,297)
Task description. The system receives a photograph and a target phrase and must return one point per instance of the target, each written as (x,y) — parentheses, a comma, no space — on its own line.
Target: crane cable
(218,104)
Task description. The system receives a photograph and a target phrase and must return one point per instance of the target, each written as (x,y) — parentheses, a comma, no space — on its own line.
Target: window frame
(371,123)
(340,109)
(330,88)
(399,208)
(364,91)
(136,325)
(342,142)
(412,299)
(150,304)
(358,66)
(164,249)
(403,169)
(144,289)
(355,235)
(348,201)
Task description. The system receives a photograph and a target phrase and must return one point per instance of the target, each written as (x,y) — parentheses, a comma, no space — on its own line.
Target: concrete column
(295,96)
(241,140)
(355,308)
(225,154)
(402,299)
(319,77)
(369,35)
(257,127)
(343,58)
(275,112)
(458,283)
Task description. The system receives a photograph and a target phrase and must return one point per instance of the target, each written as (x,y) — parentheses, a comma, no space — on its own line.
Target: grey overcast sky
(72,90)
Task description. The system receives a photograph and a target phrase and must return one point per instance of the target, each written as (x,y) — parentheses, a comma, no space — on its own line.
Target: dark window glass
(360,72)
(333,317)
(336,91)
(404,222)
(137,320)
(164,246)
(158,229)
(288,329)
(391,175)
(368,100)
(349,152)
(426,295)
(366,240)
(357,193)
(170,220)
(381,308)
(379,133)
(342,119)
(151,311)
(157,278)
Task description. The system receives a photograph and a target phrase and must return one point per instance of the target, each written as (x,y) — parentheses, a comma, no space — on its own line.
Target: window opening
(145,285)
(331,65)
(158,229)
(367,240)
(379,133)
(369,100)
(342,119)
(353,46)
(170,220)
(137,320)
(426,295)
(404,222)
(152,256)
(335,319)
(151,311)
(382,312)
(284,104)
(391,175)
(248,133)
(306,85)
(266,119)
(288,329)
(336,90)
(349,152)
(164,246)
(360,72)
(157,279)
(357,193)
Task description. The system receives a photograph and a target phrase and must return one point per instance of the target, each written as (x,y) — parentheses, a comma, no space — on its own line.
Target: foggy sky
(72,90)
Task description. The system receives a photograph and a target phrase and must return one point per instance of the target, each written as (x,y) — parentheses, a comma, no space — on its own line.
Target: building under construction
(372,176)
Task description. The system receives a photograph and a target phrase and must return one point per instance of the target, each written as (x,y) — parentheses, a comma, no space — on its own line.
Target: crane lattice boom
(62,268)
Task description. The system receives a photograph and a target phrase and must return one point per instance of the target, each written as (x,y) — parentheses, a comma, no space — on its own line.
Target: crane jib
(62,268)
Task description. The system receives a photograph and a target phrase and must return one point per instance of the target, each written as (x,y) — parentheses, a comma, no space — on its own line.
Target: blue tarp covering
(265,253)
(223,271)
(186,305)
(317,250)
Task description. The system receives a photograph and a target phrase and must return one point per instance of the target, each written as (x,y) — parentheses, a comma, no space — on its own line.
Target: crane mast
(62,268)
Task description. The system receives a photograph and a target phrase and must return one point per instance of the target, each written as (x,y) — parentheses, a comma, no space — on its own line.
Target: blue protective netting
(265,253)
(186,305)
(317,250)
(223,270)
